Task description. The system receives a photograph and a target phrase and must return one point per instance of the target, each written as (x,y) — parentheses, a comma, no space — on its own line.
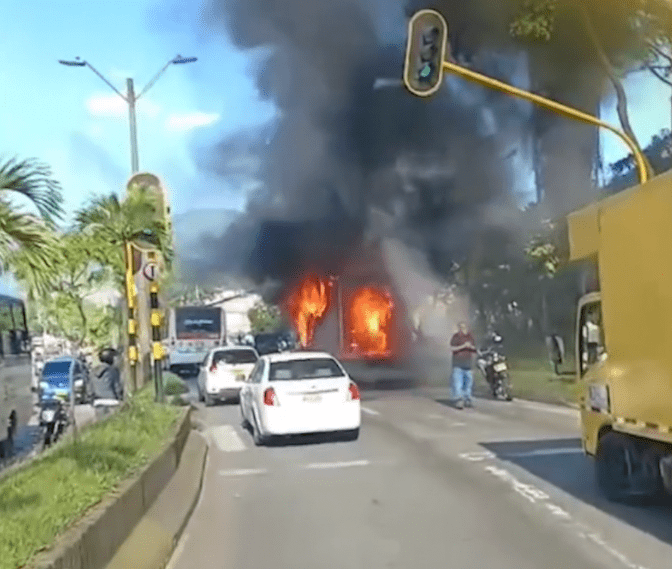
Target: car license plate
(312,398)
(500,367)
(240,377)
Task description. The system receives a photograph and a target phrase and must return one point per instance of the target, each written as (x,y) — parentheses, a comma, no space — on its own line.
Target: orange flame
(307,306)
(370,319)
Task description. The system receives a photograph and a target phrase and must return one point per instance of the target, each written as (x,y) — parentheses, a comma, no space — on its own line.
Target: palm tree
(113,223)
(20,230)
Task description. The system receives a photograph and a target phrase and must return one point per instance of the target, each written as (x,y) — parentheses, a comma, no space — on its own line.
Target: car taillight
(270,398)
(353,392)
(213,368)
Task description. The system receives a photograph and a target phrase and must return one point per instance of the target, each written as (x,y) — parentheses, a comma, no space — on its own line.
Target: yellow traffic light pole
(156,320)
(131,297)
(426,60)
(551,105)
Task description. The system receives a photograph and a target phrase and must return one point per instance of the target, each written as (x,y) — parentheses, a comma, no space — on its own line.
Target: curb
(153,540)
(93,541)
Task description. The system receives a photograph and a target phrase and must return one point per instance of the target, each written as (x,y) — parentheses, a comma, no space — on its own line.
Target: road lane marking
(323,465)
(226,439)
(544,452)
(243,472)
(527,491)
(370,411)
(534,495)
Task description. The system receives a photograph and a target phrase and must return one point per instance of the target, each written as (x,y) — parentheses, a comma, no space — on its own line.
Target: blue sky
(69,118)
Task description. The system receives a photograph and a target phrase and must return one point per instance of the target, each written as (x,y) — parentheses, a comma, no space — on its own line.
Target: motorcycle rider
(107,385)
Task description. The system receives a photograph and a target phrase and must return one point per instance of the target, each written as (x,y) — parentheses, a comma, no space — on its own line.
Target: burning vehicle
(355,315)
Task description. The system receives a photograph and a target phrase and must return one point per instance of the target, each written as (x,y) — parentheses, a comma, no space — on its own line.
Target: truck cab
(624,336)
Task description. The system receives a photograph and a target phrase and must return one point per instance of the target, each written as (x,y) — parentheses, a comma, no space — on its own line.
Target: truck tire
(626,471)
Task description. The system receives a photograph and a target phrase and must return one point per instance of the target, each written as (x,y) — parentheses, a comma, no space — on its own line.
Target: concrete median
(139,523)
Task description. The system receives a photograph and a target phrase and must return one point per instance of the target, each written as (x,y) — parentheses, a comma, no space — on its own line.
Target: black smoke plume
(340,147)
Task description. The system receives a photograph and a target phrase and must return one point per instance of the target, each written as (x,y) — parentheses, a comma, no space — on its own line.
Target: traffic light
(425,53)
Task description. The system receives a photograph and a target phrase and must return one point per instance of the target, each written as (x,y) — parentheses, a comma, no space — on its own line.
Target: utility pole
(131,98)
(130,94)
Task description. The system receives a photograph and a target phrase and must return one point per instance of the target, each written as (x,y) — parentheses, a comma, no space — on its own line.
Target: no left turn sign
(151,271)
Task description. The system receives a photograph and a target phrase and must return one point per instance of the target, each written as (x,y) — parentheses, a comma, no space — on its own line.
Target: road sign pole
(157,347)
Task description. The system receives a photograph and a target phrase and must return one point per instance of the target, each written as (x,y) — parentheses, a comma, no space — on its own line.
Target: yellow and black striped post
(131,297)
(157,346)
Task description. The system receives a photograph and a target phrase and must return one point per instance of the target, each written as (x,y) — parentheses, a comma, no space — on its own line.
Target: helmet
(107,355)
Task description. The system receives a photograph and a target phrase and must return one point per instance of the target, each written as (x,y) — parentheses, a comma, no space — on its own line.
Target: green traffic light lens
(426,71)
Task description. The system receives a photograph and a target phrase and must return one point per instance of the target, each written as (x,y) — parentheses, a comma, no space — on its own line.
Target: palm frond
(34,180)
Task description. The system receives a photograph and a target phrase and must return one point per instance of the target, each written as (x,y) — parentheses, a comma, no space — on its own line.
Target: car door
(255,377)
(200,380)
(246,390)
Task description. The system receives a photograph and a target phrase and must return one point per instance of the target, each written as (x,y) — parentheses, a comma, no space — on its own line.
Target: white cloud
(189,121)
(114,106)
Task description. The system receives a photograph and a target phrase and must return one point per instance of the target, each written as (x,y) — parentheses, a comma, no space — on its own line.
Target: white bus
(192,332)
(16,396)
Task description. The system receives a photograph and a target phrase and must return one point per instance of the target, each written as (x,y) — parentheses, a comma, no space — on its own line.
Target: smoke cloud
(339,147)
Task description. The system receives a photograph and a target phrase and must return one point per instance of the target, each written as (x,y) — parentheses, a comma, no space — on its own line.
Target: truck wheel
(625,471)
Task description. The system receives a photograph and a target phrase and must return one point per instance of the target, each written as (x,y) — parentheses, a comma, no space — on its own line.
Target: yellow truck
(624,338)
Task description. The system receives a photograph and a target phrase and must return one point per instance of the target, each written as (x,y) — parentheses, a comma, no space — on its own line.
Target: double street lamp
(130,96)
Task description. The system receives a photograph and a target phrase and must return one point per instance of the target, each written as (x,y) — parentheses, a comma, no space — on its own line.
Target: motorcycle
(53,416)
(493,365)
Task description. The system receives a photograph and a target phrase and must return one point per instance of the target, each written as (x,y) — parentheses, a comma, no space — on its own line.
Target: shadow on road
(562,463)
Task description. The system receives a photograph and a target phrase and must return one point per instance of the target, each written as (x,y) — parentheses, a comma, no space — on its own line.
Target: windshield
(56,369)
(235,357)
(198,323)
(305,369)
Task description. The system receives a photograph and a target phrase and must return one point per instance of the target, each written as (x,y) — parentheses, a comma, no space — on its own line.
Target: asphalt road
(503,485)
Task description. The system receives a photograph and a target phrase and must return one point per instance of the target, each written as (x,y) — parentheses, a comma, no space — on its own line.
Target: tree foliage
(33,180)
(265,318)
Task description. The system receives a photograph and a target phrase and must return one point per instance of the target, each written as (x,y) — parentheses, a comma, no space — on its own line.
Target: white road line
(323,465)
(243,472)
(177,552)
(544,452)
(369,411)
(534,494)
(227,439)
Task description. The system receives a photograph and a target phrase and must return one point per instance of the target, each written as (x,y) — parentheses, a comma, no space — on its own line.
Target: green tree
(64,281)
(623,35)
(264,318)
(18,229)
(112,223)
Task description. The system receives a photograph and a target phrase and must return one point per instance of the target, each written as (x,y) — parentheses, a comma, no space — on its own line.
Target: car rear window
(313,368)
(235,357)
(56,368)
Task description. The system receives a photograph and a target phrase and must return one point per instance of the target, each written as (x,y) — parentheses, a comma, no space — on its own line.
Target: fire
(307,306)
(370,320)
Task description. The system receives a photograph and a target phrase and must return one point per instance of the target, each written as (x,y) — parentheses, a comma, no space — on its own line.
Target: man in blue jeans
(463,347)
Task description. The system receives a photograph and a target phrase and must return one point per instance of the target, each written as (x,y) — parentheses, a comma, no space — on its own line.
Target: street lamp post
(130,97)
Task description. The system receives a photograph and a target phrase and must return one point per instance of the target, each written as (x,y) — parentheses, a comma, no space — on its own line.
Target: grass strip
(42,500)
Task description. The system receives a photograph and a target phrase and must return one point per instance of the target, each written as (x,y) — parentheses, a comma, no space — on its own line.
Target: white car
(224,372)
(295,393)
